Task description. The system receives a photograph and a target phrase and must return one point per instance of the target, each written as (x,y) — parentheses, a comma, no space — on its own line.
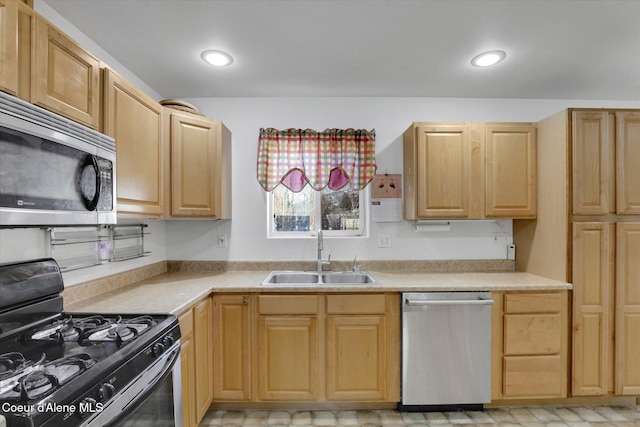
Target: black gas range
(81,369)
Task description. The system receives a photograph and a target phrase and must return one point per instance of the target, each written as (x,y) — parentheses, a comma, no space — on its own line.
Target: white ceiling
(556,49)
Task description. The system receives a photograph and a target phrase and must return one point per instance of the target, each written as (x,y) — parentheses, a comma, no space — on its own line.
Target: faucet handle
(328,261)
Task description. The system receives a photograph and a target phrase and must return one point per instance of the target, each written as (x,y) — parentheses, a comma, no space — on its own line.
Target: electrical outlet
(222,241)
(384,241)
(511,252)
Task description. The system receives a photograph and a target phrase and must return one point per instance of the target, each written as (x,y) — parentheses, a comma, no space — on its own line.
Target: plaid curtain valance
(333,158)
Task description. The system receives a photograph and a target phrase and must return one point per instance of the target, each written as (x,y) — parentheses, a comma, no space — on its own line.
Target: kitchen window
(339,213)
(316,180)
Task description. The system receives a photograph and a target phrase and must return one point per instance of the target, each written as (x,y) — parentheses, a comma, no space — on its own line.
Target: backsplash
(410,266)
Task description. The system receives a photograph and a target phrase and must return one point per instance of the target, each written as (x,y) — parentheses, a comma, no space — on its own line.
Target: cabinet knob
(245,301)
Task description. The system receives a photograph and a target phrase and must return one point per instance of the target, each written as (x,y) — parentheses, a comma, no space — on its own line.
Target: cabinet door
(510,170)
(203,340)
(187,360)
(356,358)
(628,309)
(288,358)
(232,349)
(9,46)
(195,159)
(443,171)
(593,279)
(628,172)
(593,163)
(65,78)
(134,119)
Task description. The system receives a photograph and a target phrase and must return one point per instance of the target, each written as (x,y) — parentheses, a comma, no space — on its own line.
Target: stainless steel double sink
(314,278)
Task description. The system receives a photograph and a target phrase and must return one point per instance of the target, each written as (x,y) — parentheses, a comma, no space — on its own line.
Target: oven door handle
(138,392)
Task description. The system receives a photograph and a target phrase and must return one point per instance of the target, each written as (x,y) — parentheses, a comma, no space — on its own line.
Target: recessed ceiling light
(486,59)
(217,58)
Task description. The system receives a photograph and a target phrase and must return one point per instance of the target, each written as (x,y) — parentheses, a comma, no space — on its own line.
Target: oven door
(154,398)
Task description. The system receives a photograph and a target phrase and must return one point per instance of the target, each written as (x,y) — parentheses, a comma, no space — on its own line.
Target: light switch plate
(384,241)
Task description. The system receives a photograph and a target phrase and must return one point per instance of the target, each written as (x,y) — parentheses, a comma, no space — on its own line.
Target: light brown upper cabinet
(135,120)
(510,170)
(65,78)
(437,168)
(606,178)
(628,172)
(9,46)
(200,167)
(469,170)
(16,25)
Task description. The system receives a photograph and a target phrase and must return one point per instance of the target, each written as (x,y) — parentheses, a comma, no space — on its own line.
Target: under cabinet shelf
(127,242)
(78,247)
(74,248)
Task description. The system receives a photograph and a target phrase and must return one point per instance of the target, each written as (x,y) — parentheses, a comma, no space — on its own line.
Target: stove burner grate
(33,380)
(14,363)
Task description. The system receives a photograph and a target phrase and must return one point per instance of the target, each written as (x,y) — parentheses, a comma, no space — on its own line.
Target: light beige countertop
(174,292)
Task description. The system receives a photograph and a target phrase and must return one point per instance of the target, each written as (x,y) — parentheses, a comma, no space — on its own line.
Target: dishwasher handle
(425,303)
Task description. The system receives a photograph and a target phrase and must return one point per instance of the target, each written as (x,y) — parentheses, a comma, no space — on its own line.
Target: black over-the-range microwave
(53,171)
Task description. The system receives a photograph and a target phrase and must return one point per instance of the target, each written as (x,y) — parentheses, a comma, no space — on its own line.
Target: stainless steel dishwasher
(446,350)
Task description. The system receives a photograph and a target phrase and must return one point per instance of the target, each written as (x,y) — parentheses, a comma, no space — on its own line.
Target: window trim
(365,203)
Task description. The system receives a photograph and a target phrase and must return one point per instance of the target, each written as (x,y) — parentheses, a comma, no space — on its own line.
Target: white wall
(390,117)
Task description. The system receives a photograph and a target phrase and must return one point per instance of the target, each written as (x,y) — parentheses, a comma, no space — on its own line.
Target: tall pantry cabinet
(588,232)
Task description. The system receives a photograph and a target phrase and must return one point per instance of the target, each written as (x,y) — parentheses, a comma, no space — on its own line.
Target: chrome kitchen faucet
(321,263)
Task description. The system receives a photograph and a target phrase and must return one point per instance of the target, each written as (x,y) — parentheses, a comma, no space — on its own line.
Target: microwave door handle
(91,200)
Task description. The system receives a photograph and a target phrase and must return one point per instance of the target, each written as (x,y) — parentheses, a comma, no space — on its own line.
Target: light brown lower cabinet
(307,347)
(196,361)
(529,345)
(627,312)
(593,308)
(358,364)
(606,309)
(232,348)
(187,360)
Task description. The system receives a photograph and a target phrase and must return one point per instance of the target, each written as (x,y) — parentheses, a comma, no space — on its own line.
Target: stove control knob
(87,406)
(158,349)
(106,392)
(168,341)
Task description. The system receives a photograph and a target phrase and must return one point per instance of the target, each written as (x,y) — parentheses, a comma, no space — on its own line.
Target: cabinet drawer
(356,304)
(186,323)
(532,334)
(533,376)
(533,303)
(288,304)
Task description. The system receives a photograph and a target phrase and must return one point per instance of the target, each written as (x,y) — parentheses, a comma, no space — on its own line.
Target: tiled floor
(602,416)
